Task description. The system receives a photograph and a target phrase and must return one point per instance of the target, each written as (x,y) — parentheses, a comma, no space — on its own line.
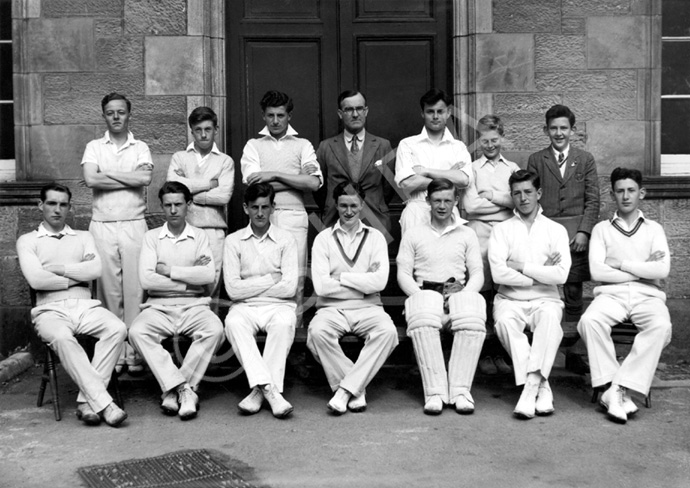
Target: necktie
(354,149)
(57,236)
(561,159)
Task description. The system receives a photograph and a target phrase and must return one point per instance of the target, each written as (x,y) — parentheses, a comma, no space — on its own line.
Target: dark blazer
(572,200)
(333,158)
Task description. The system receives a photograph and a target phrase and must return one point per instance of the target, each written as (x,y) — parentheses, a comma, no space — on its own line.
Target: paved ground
(392,444)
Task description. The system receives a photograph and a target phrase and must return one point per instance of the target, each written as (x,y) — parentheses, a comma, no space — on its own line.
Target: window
(675,87)
(6,103)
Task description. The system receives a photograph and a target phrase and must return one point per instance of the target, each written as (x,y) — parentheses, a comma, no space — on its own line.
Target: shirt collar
(106,139)
(566,151)
(455,223)
(290,132)
(349,136)
(338,227)
(192,148)
(187,233)
(248,233)
(483,160)
(539,215)
(447,136)
(43,232)
(640,216)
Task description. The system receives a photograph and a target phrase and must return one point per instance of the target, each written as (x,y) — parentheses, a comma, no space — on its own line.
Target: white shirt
(125,203)
(349,136)
(420,150)
(565,153)
(199,159)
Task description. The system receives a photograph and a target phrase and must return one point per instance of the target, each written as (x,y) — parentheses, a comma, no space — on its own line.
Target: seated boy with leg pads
(433,263)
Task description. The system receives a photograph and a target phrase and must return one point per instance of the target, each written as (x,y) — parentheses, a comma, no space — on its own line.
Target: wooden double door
(391,50)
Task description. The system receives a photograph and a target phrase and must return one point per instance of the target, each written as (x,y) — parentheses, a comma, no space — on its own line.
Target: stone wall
(166,56)
(596,56)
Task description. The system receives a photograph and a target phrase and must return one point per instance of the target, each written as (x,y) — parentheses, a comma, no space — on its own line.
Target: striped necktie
(354,149)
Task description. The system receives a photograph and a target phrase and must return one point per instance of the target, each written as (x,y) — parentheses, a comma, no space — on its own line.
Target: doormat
(189,469)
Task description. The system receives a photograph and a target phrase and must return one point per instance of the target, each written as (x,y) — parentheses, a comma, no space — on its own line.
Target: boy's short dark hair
(433,96)
(174,187)
(347,188)
(557,111)
(273,98)
(259,190)
(489,123)
(202,114)
(522,175)
(621,173)
(440,184)
(54,186)
(348,94)
(115,96)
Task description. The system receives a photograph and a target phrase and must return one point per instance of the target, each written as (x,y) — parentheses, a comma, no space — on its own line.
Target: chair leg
(648,400)
(52,375)
(115,383)
(595,395)
(44,380)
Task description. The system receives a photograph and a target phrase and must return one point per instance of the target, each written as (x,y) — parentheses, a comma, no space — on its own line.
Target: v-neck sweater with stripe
(632,247)
(356,288)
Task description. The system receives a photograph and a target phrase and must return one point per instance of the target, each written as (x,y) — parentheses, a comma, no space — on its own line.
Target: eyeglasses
(351,110)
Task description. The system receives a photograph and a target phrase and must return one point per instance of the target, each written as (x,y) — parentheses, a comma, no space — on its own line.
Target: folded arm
(405,265)
(325,284)
(117,180)
(375,278)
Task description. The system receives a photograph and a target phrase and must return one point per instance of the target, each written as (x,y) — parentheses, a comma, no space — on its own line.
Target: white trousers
(296,222)
(372,324)
(649,314)
(543,318)
(416,213)
(119,245)
(58,322)
(277,320)
(158,322)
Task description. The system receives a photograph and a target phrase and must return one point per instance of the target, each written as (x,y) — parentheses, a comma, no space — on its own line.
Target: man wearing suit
(357,156)
(570,197)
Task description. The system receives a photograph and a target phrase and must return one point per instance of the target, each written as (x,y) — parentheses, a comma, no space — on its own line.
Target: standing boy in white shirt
(434,153)
(118,168)
(487,201)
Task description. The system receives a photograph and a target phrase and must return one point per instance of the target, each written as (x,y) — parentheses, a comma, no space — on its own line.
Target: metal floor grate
(188,469)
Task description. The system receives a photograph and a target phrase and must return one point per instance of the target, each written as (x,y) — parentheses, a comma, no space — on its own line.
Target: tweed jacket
(572,200)
(332,155)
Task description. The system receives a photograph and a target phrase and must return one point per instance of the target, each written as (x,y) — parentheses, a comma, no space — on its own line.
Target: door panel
(391,50)
(281,10)
(271,67)
(392,87)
